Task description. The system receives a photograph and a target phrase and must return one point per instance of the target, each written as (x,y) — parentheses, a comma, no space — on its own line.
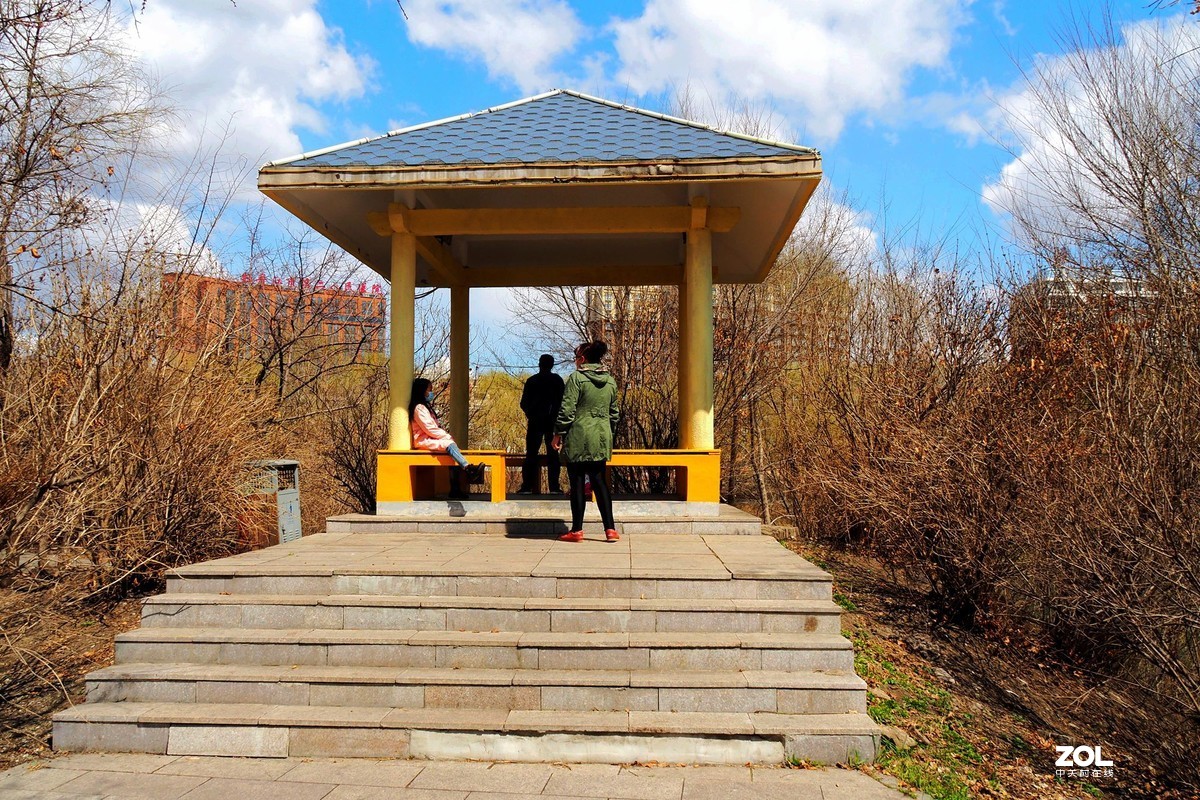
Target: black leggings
(593,470)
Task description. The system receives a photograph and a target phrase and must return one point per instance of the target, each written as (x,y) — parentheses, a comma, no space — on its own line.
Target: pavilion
(560,189)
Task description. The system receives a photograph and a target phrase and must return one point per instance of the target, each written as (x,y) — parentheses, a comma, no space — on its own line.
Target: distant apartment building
(244,315)
(1047,309)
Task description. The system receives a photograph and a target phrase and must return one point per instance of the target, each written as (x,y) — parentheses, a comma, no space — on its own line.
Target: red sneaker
(611,535)
(572,536)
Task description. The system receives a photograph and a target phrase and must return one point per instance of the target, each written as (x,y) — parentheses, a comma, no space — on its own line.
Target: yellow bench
(407,475)
(697,472)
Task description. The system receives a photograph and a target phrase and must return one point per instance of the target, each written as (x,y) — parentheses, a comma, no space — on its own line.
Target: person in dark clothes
(583,433)
(540,401)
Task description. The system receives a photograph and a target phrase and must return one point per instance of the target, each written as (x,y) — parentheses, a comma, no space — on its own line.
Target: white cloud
(824,60)
(1154,65)
(846,233)
(517,40)
(256,69)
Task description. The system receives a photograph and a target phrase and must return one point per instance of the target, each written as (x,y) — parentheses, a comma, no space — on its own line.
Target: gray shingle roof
(557,127)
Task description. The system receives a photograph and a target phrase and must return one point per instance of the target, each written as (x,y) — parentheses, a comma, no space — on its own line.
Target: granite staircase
(693,648)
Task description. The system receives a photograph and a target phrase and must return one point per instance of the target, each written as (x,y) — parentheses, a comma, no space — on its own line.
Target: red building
(254,312)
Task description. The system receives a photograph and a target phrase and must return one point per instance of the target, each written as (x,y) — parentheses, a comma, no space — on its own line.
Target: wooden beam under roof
(575,275)
(557,221)
(437,255)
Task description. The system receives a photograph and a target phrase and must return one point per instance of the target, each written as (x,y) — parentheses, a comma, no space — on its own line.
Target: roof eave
(798,166)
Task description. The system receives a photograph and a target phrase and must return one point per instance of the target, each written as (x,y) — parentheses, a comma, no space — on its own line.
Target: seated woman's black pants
(594,471)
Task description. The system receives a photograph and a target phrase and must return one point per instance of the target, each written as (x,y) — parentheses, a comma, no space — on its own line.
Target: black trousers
(594,471)
(535,437)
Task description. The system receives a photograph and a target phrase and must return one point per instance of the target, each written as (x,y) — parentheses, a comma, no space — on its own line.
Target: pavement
(154,777)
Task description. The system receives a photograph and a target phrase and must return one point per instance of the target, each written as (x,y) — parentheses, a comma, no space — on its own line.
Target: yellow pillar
(698,317)
(400,360)
(684,356)
(460,341)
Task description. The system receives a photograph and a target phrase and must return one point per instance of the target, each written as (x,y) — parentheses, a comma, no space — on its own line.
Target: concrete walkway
(109,775)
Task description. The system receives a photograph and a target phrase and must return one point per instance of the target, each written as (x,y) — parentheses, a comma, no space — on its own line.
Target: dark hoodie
(588,415)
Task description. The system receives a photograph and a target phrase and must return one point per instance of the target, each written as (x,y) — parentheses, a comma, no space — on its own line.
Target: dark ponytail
(595,351)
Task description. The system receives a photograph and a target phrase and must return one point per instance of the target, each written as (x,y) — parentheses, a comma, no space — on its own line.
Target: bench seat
(697,472)
(406,475)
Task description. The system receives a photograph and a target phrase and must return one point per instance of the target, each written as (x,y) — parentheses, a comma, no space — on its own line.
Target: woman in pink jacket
(428,434)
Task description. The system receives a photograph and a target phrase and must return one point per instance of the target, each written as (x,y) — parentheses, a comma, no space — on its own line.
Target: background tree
(72,104)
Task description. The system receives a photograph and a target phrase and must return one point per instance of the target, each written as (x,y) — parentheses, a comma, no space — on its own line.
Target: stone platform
(437,643)
(543,514)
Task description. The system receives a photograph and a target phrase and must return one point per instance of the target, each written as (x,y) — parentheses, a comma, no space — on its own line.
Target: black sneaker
(475,473)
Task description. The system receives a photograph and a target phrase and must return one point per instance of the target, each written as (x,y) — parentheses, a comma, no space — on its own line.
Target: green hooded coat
(588,415)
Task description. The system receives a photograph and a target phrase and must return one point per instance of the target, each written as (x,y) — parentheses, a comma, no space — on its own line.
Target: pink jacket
(427,432)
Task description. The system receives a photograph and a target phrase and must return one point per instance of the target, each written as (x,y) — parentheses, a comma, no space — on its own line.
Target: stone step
(550,516)
(487,649)
(464,733)
(804,692)
(538,614)
(747,583)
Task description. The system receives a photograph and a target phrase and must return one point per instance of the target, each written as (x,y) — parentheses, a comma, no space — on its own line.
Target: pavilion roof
(554,190)
(560,126)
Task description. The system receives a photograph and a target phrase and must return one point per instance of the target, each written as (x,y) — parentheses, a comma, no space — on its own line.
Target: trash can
(277,483)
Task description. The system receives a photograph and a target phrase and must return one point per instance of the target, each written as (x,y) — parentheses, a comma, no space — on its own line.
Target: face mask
(429,397)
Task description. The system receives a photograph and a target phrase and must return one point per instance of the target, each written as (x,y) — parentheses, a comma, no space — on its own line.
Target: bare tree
(71,104)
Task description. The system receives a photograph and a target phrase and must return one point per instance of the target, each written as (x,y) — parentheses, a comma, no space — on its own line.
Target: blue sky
(903,97)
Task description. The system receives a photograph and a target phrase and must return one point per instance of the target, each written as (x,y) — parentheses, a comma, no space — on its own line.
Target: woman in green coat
(583,435)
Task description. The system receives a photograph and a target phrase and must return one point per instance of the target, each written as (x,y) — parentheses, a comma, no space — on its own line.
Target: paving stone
(370,655)
(598,698)
(500,697)
(614,620)
(583,721)
(227,740)
(325,716)
(227,767)
(225,788)
(202,713)
(621,785)
(39,794)
(348,742)
(114,762)
(571,677)
(146,691)
(447,719)
(520,779)
(830,748)
(718,700)
(606,587)
(35,778)
(606,659)
(264,692)
(811,701)
(694,773)
(191,616)
(272,654)
(335,694)
(381,793)
(132,785)
(484,657)
(291,616)
(354,771)
(113,737)
(730,659)
(484,619)
(487,586)
(173,653)
(382,618)
(667,679)
(728,724)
